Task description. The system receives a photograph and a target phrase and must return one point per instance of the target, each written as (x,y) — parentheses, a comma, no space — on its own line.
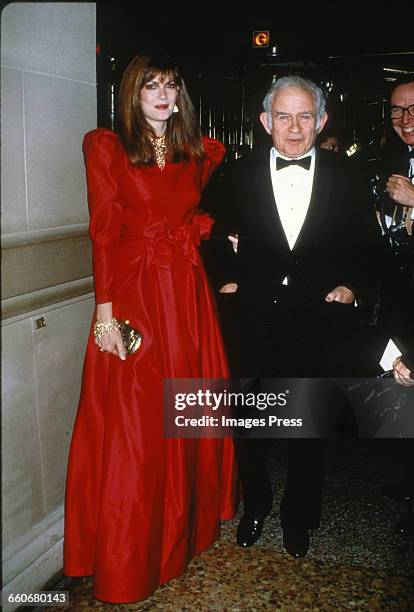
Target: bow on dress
(161,241)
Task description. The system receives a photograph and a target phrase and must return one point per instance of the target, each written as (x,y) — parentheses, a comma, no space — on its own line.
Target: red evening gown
(139,506)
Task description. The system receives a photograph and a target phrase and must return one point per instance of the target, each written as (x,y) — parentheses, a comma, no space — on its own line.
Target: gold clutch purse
(131,337)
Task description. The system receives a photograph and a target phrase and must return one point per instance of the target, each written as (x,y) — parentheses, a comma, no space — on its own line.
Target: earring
(176,109)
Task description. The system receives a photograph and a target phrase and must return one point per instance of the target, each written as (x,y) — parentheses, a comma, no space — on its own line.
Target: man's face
(404,96)
(331,144)
(294,121)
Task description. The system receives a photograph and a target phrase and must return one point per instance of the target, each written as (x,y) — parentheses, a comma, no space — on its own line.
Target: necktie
(304,162)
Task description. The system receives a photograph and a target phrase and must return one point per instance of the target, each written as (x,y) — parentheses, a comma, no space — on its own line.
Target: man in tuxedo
(399,168)
(398,280)
(306,234)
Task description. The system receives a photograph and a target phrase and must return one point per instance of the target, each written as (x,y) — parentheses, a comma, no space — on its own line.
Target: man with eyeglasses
(401,187)
(399,220)
(399,277)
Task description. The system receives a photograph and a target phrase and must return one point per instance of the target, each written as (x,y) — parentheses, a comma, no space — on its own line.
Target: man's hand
(340,294)
(401,190)
(229,288)
(401,373)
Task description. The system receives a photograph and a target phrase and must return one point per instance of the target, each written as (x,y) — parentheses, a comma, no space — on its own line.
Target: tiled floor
(355,562)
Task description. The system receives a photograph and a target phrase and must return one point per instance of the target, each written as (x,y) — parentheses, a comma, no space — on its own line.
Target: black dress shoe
(249,529)
(405,527)
(399,492)
(296,541)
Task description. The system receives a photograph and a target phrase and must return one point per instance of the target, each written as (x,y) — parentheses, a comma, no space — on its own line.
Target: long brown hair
(183,136)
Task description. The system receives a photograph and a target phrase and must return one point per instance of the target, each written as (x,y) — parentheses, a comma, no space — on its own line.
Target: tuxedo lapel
(319,205)
(268,216)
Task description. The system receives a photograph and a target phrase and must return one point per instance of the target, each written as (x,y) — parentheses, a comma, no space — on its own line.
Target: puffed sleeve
(214,152)
(102,153)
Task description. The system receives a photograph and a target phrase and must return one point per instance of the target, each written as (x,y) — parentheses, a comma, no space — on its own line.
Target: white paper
(390,354)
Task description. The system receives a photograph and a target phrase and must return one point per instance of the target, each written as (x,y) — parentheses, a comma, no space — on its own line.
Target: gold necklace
(160,150)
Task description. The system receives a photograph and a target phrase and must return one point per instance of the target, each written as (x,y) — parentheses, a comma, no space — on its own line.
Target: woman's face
(158,98)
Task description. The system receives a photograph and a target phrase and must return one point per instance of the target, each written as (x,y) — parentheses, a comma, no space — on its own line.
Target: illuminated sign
(261,38)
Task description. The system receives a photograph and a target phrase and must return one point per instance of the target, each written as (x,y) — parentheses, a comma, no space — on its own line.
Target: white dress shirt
(292,188)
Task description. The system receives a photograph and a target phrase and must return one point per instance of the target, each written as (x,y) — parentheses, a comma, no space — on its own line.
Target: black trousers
(302,497)
(285,338)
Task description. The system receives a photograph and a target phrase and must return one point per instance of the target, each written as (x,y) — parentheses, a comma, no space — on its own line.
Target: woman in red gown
(139,506)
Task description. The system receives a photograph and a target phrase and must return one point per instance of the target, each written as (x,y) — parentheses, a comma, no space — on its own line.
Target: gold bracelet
(100,329)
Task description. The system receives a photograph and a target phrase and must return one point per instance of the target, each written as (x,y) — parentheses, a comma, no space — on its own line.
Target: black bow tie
(305,162)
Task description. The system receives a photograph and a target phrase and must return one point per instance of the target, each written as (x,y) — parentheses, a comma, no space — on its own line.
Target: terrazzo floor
(355,561)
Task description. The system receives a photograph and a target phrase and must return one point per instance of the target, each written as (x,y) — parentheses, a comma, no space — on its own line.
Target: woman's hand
(111,341)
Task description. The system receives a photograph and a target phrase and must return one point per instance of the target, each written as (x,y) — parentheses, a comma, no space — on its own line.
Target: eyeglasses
(397,112)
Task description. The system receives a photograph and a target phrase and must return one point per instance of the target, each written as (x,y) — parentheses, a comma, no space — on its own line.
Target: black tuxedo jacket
(337,245)
(397,272)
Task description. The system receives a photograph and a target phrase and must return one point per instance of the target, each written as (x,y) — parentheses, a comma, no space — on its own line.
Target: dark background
(354,50)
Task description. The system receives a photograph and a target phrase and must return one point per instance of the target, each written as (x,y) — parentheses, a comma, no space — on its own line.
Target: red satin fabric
(140,506)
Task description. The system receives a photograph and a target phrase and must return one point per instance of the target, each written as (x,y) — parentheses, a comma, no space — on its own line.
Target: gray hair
(294,80)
